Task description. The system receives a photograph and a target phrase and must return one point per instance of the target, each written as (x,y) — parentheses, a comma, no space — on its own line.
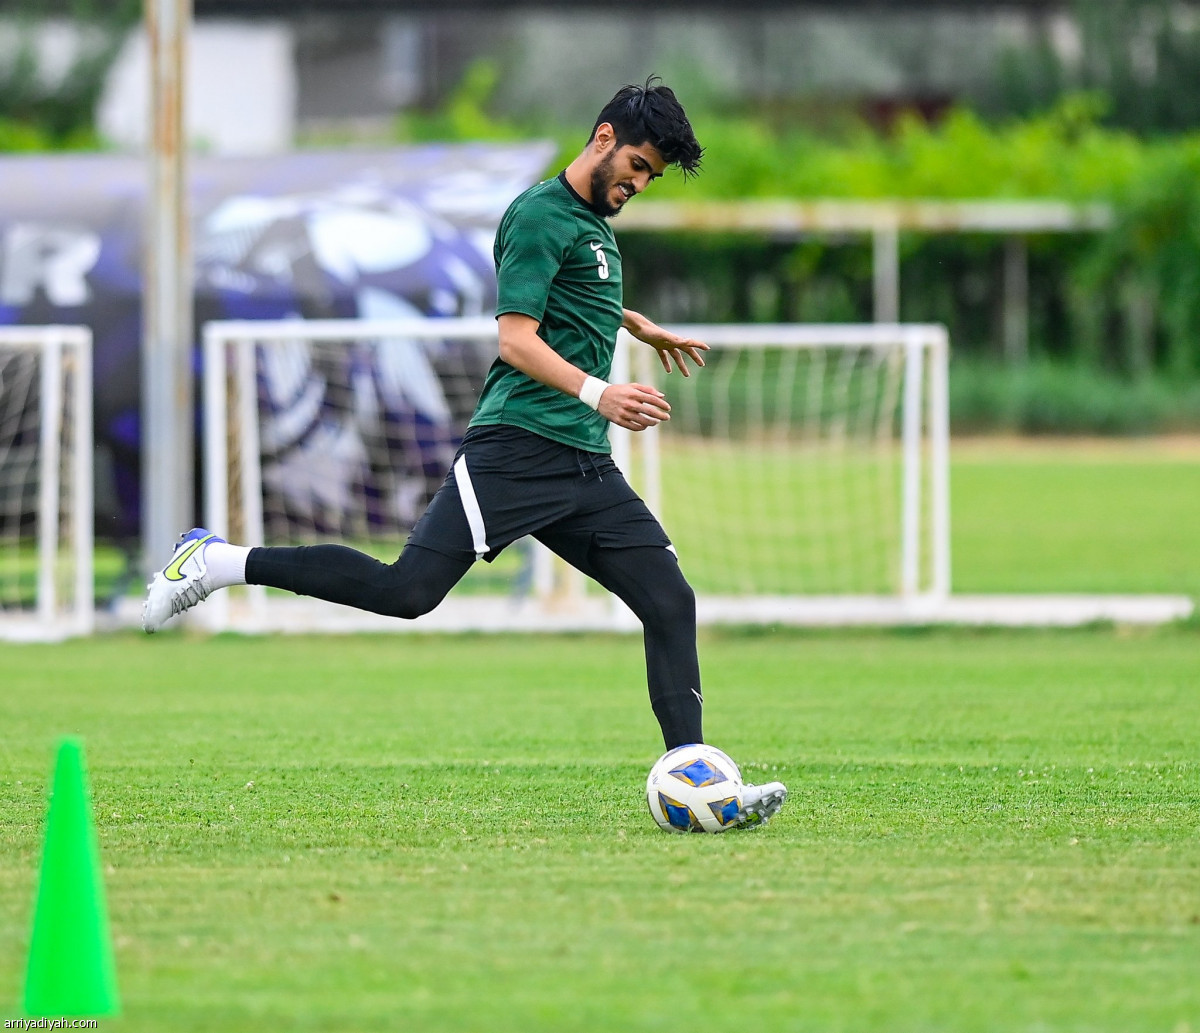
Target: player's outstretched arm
(632,406)
(668,345)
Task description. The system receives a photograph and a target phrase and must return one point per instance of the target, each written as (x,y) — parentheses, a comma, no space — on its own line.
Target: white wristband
(591,391)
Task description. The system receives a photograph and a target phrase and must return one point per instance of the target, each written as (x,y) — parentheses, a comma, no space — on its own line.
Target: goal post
(46,491)
(803,476)
(804,473)
(341,431)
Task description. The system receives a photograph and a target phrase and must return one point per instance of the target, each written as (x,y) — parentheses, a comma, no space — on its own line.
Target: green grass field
(1085,516)
(987,830)
(1060,516)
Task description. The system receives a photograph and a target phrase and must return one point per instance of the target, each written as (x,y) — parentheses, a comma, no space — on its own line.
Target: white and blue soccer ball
(695,788)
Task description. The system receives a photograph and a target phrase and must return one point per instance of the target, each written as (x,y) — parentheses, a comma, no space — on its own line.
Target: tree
(41,108)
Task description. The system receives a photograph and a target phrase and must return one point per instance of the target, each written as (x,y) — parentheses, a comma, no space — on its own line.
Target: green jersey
(557,262)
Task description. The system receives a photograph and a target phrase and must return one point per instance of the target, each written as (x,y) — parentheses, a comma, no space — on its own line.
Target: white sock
(226,563)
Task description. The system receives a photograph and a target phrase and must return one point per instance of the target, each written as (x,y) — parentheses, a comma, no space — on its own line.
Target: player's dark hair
(652,114)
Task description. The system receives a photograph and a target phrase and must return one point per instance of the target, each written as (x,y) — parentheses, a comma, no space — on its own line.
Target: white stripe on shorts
(470,504)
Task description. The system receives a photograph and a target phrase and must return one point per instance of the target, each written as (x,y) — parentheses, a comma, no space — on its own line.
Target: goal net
(802,477)
(46,589)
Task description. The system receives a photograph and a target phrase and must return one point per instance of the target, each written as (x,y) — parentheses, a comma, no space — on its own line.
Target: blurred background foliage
(1143,55)
(43,108)
(1114,316)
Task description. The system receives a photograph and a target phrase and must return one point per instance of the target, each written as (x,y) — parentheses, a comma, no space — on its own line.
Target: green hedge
(1064,152)
(1049,397)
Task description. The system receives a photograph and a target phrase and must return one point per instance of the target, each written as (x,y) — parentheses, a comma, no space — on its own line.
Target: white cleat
(760,804)
(182,583)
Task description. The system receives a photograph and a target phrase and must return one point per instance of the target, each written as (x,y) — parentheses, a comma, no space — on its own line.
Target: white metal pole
(249,459)
(167,395)
(82,475)
(250,454)
(910,533)
(49,474)
(939,459)
(650,486)
(622,452)
(620,438)
(886,274)
(215,615)
(216,406)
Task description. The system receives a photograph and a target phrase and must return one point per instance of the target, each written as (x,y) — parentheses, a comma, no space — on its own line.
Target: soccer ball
(695,788)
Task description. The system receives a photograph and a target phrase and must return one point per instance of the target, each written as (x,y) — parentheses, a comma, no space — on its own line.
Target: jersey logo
(601,258)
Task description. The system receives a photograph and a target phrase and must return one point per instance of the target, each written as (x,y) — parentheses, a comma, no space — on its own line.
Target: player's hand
(673,347)
(634,406)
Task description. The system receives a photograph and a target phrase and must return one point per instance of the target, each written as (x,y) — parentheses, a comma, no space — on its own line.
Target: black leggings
(646,578)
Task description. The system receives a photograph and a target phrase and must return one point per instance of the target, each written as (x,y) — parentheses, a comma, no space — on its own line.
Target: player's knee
(397,596)
(652,585)
(671,604)
(677,601)
(413,601)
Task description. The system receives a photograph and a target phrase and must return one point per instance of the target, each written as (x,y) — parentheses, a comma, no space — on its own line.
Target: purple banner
(316,235)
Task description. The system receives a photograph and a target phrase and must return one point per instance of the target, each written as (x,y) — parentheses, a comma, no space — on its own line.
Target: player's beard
(603,182)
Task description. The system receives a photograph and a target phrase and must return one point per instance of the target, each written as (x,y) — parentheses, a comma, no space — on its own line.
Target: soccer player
(535,459)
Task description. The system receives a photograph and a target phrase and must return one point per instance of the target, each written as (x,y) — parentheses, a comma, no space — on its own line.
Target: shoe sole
(764,809)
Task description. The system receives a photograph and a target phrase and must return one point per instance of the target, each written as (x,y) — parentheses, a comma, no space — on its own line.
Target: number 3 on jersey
(601,258)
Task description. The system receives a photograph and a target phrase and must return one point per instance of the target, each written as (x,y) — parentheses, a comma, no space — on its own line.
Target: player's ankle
(226,564)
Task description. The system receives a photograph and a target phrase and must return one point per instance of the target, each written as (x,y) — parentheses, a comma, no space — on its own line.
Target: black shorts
(507,483)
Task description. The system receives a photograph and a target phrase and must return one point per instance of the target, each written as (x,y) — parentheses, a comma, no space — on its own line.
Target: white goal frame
(64,602)
(924,535)
(925,459)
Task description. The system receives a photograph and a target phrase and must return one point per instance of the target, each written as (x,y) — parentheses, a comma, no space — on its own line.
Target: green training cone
(71,969)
